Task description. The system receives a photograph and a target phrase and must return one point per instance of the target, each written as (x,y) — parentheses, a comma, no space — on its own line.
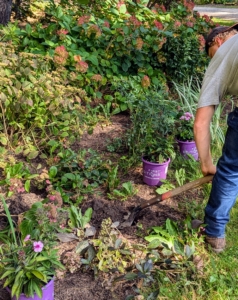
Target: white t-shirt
(221,77)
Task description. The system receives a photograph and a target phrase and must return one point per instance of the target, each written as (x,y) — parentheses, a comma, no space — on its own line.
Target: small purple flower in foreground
(187,116)
(27,238)
(38,246)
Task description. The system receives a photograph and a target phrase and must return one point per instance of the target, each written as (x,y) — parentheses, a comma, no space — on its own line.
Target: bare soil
(84,285)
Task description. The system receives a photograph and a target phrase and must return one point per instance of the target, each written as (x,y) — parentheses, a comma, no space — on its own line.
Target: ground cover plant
(81,92)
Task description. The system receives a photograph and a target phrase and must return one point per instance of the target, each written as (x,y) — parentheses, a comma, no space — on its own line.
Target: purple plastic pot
(47,293)
(154,172)
(188,147)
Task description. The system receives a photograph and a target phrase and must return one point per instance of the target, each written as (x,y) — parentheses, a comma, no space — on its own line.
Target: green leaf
(39,275)
(123,9)
(49,43)
(33,154)
(125,67)
(37,289)
(17,282)
(131,276)
(52,172)
(40,258)
(69,176)
(83,1)
(3,140)
(27,185)
(8,281)
(93,59)
(114,11)
(171,227)
(154,244)
(7,273)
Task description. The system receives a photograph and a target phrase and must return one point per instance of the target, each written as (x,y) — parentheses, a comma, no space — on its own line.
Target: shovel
(167,195)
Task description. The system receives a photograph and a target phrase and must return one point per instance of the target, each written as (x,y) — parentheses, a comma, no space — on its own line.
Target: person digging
(221,78)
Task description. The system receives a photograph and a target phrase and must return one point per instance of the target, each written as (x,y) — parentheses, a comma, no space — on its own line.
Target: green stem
(9,219)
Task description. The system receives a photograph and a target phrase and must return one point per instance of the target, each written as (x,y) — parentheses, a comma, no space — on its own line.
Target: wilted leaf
(66,237)
(90,231)
(115,224)
(118,243)
(82,247)
(91,253)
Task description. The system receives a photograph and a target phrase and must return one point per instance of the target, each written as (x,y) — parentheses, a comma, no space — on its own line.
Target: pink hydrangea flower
(106,24)
(83,19)
(62,32)
(38,246)
(158,24)
(81,66)
(189,24)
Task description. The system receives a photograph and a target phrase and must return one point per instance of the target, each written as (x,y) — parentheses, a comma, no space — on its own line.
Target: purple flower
(27,238)
(187,116)
(38,246)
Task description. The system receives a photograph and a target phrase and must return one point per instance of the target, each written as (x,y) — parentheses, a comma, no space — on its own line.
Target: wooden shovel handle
(177,191)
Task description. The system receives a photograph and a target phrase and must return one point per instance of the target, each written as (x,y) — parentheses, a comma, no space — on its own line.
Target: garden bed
(83,284)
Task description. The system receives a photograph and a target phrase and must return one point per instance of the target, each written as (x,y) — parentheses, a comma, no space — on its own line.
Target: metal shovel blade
(163,197)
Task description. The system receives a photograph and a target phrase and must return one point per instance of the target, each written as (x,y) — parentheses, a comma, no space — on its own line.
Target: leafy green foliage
(34,104)
(77,174)
(100,42)
(152,125)
(112,251)
(127,190)
(77,219)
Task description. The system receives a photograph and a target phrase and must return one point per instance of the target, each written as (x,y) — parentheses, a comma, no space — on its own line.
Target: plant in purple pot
(28,262)
(185,136)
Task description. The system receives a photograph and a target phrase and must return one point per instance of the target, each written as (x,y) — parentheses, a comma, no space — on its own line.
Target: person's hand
(208,169)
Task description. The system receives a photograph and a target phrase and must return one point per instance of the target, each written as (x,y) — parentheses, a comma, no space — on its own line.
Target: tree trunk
(5,11)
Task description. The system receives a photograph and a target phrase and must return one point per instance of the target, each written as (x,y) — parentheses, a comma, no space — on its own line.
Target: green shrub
(34,103)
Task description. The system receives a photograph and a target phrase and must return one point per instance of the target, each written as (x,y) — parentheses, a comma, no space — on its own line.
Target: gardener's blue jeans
(225,182)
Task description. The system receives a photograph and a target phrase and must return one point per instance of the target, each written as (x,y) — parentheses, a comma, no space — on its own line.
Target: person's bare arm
(203,138)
